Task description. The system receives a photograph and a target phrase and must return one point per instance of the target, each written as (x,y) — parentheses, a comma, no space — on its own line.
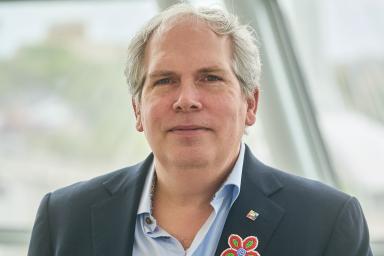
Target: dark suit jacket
(297,216)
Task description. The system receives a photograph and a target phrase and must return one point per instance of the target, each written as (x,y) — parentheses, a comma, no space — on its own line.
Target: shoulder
(283,185)
(85,193)
(304,187)
(312,205)
(89,187)
(308,195)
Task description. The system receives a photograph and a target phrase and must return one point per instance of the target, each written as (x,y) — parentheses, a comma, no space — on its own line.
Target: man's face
(192,109)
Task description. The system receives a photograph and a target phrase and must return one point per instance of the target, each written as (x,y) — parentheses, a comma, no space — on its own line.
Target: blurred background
(65,110)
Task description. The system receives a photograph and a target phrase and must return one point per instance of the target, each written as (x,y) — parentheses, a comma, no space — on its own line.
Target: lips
(188,128)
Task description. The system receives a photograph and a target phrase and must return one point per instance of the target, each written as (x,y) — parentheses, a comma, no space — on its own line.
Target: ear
(252,103)
(136,109)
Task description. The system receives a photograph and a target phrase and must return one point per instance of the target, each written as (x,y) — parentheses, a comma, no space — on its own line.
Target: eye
(211,78)
(163,81)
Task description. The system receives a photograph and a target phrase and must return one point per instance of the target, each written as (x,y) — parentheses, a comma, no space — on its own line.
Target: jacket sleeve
(40,244)
(350,232)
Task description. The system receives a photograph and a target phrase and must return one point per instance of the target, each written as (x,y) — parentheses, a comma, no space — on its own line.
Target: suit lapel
(114,219)
(258,184)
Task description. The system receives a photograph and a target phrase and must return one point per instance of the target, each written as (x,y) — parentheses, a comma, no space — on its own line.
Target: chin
(190,163)
(191,158)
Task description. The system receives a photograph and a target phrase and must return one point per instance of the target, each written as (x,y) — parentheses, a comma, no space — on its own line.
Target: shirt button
(148,220)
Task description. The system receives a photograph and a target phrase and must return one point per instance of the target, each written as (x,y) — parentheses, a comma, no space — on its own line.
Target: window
(64,104)
(341,49)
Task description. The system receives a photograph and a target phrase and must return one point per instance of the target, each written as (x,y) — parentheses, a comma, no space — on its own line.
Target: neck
(190,187)
(183,189)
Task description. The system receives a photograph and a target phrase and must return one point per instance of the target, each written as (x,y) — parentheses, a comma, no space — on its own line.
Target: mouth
(188,129)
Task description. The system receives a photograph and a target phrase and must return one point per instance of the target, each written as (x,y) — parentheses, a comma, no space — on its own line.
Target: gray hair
(246,58)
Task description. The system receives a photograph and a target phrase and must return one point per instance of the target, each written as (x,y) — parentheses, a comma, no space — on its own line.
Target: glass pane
(64,104)
(341,49)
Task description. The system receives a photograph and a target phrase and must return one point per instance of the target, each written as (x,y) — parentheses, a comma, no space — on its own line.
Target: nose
(188,99)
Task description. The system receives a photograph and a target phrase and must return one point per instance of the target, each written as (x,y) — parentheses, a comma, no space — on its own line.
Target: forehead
(187,40)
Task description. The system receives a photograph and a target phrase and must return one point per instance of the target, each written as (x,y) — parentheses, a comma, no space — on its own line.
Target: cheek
(234,105)
(152,115)
(232,116)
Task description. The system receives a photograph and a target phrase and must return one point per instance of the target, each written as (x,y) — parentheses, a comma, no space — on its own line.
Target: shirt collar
(145,200)
(233,182)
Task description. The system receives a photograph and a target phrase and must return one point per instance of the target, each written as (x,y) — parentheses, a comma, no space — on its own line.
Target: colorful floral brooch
(240,247)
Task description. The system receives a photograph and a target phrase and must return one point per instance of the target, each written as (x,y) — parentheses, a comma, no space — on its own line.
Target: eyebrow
(211,70)
(163,73)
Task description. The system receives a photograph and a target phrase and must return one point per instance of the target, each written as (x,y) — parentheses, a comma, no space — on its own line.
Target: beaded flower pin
(240,247)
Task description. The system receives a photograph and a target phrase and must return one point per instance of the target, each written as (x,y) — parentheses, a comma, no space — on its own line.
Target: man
(194,79)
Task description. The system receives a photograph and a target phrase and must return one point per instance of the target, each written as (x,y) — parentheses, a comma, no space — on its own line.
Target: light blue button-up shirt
(151,239)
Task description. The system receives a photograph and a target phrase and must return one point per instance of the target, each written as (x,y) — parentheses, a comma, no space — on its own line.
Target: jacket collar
(114,219)
(258,185)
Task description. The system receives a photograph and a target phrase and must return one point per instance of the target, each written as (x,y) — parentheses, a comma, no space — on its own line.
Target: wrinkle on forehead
(197,29)
(187,21)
